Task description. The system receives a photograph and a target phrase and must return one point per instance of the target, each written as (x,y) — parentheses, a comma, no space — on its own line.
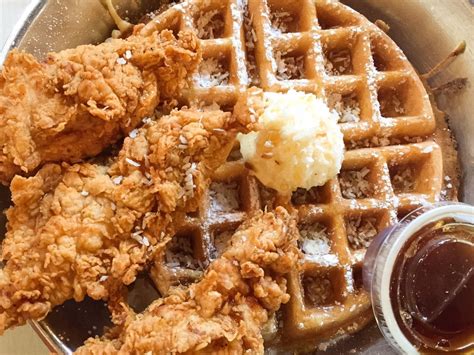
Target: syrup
(432,288)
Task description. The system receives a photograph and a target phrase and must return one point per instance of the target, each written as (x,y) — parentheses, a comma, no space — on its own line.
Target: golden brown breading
(250,107)
(86,229)
(227,309)
(83,99)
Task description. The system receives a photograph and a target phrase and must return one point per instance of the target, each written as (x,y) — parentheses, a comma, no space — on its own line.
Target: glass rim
(381,257)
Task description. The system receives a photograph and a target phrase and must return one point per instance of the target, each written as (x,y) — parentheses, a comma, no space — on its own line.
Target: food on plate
(227,309)
(298,143)
(87,229)
(81,100)
(393,160)
(313,83)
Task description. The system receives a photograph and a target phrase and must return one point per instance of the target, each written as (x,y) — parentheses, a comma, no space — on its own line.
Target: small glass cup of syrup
(420,274)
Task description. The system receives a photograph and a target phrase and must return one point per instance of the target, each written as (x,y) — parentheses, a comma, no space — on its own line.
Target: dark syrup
(432,288)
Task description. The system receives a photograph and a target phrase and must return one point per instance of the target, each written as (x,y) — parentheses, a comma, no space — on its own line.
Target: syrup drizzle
(432,287)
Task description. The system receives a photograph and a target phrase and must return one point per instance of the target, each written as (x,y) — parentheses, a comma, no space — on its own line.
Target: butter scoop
(296,141)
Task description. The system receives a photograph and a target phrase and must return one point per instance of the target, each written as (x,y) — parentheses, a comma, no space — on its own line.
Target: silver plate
(427,30)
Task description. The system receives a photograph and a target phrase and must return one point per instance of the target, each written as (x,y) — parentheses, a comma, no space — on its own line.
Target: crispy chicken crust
(81,100)
(226,310)
(87,229)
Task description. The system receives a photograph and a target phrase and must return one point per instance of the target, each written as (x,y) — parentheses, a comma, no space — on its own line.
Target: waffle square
(391,165)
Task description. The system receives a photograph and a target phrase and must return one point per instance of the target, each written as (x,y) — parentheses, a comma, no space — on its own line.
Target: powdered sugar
(210,24)
(179,253)
(315,243)
(224,196)
(211,73)
(346,106)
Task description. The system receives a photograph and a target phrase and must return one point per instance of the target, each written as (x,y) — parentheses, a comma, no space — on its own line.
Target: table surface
(21,340)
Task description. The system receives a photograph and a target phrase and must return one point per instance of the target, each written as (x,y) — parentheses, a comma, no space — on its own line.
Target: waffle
(391,166)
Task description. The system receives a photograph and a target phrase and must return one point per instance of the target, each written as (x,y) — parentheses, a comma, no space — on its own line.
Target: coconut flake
(132,162)
(117,180)
(121,61)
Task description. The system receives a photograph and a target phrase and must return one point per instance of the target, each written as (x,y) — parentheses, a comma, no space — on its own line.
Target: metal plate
(427,30)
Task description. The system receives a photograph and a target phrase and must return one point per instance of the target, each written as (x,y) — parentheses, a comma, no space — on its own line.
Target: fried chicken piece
(250,107)
(227,309)
(88,229)
(81,100)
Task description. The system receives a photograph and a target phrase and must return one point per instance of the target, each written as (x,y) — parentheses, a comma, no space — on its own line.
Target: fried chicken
(81,100)
(227,309)
(86,229)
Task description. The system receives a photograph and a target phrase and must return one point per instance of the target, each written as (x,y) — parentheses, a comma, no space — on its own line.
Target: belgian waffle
(391,166)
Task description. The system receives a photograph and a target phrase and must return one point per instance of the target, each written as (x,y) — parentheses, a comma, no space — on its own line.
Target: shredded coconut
(338,62)
(281,21)
(383,141)
(289,67)
(117,180)
(132,162)
(347,107)
(183,140)
(403,179)
(360,231)
(210,25)
(121,61)
(354,183)
(303,196)
(390,103)
(315,244)
(250,41)
(189,186)
(318,290)
(139,237)
(211,73)
(224,196)
(179,253)
(221,242)
(147,120)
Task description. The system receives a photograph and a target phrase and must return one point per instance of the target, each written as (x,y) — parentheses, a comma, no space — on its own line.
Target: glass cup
(416,272)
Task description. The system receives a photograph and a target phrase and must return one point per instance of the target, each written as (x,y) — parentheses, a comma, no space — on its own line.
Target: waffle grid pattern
(393,103)
(344,301)
(336,51)
(336,309)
